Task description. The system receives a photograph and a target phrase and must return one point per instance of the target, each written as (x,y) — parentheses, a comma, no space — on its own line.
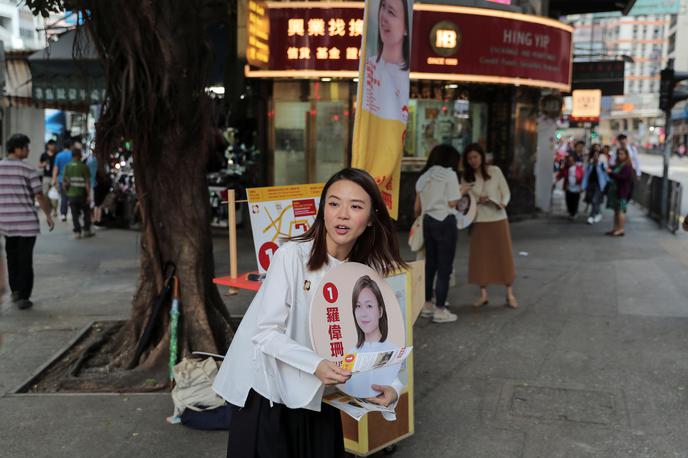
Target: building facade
(486,89)
(651,34)
(19,29)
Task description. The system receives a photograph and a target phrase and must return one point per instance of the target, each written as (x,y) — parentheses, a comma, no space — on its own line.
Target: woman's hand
(482,200)
(387,396)
(331,374)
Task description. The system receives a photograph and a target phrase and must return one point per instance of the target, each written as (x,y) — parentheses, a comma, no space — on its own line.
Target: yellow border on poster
(297,191)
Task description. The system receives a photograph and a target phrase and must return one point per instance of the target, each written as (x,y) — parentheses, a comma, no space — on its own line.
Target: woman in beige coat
(490,260)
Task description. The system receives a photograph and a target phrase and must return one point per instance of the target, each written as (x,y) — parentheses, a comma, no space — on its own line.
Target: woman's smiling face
(392,23)
(368,312)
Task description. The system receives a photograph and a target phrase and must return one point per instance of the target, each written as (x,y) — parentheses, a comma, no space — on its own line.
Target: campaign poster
(382,101)
(279,212)
(355,311)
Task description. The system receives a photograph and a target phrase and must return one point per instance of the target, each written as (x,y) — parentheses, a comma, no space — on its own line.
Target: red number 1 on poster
(330,293)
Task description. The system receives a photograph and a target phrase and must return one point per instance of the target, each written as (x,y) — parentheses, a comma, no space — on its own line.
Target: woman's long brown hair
(377,247)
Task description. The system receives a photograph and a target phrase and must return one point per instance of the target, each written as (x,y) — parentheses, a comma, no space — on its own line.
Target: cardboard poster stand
(372,433)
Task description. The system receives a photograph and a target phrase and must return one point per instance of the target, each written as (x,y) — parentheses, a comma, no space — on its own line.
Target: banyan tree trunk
(155,58)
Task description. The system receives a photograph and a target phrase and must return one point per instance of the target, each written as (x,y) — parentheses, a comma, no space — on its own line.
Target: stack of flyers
(356,408)
(366,361)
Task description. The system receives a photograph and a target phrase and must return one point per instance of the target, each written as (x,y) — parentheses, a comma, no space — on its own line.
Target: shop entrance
(310,137)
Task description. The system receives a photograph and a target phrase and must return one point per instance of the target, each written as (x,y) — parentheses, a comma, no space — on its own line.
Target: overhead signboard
(586,104)
(607,76)
(490,46)
(452,43)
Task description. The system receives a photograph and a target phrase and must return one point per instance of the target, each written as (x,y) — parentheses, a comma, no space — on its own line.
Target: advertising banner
(383,95)
(277,212)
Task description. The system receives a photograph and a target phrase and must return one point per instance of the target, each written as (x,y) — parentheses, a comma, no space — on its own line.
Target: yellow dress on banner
(383,96)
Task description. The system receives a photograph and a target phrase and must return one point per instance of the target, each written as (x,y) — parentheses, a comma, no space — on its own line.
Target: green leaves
(45,7)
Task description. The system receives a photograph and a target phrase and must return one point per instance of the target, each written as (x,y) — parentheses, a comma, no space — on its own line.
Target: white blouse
(497,190)
(271,352)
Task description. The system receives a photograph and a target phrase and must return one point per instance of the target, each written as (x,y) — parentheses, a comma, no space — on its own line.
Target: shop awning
(67,71)
(566,7)
(19,86)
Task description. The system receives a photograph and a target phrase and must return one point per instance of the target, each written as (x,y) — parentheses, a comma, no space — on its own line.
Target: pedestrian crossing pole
(669,95)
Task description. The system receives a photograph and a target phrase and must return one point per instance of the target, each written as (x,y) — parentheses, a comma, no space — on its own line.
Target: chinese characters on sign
(478,46)
(258,48)
(334,328)
(315,38)
(318,27)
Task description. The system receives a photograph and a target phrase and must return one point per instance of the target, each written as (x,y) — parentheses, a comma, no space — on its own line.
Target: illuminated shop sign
(311,39)
(586,104)
(315,38)
(445,38)
(258,28)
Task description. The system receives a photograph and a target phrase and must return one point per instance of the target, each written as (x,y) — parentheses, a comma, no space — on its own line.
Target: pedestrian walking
(20,187)
(92,163)
(270,375)
(437,195)
(76,181)
(46,164)
(63,158)
(572,174)
(594,183)
(622,176)
(490,259)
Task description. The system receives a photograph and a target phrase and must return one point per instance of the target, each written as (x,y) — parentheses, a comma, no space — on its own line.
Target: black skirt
(260,431)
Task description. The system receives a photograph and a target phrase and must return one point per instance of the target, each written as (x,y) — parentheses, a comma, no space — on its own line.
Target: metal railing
(647,192)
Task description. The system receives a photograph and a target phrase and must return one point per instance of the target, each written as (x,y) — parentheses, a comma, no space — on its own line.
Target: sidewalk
(593,364)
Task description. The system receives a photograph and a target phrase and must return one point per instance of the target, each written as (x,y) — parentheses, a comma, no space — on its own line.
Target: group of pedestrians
(438,193)
(600,174)
(21,185)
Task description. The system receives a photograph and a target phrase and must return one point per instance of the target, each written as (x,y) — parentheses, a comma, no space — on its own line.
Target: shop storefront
(477,75)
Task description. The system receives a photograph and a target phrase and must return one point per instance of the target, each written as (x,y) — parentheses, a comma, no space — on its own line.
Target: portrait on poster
(387,59)
(356,314)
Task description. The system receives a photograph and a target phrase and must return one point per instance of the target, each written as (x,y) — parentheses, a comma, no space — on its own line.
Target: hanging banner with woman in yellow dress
(383,95)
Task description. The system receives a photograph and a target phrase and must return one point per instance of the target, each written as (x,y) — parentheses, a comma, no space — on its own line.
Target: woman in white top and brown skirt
(490,260)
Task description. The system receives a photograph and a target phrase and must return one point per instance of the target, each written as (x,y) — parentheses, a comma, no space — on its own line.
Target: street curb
(24,385)
(91,394)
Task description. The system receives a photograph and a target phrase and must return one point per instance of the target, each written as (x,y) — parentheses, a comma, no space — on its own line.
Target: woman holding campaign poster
(271,375)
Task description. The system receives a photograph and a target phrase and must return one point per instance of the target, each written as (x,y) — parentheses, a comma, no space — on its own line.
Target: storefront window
(311,131)
(331,127)
(290,142)
(456,121)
